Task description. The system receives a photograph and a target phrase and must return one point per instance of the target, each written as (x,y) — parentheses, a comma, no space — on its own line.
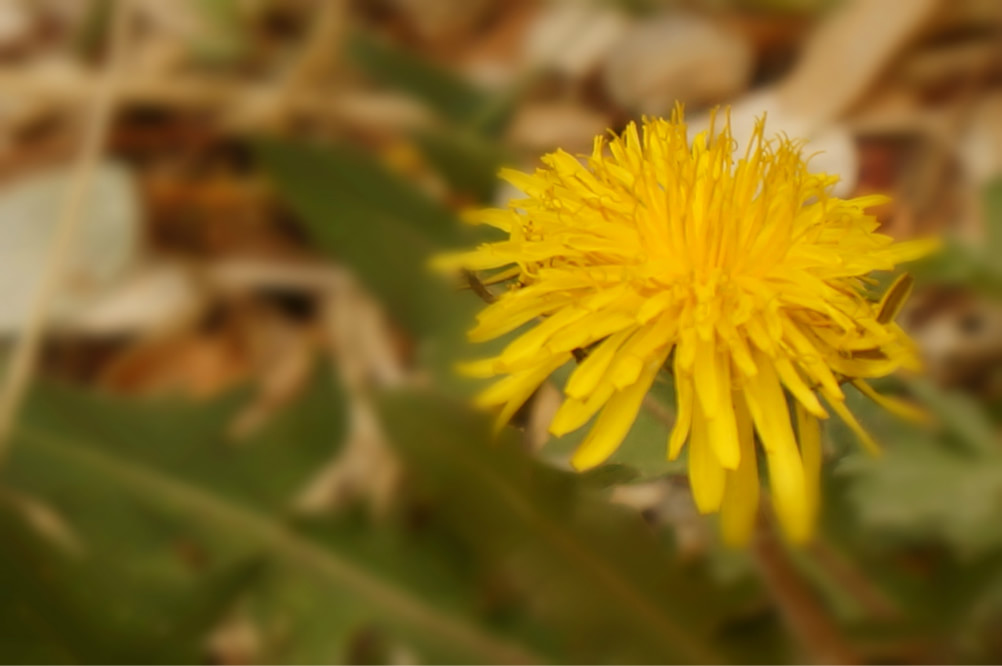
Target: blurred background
(230,428)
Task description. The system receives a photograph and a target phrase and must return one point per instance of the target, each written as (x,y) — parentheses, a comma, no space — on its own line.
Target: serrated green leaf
(930,492)
(604,585)
(925,486)
(960,416)
(163,504)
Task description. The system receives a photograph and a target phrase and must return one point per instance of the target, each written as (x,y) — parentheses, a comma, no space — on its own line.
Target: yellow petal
(911,250)
(741,493)
(505,316)
(809,430)
(892,404)
(589,373)
(574,413)
(705,473)
(482,369)
(838,406)
(647,340)
(870,200)
(532,341)
(810,358)
(790,499)
(514,390)
(767,405)
(528,183)
(707,376)
(683,413)
(595,328)
(499,218)
(791,378)
(615,420)
(722,428)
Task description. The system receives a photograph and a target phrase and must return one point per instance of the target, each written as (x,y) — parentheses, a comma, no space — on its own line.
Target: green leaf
(165,506)
(47,615)
(374,222)
(468,162)
(385,230)
(918,523)
(925,486)
(958,264)
(604,586)
(974,267)
(960,417)
(931,492)
(453,98)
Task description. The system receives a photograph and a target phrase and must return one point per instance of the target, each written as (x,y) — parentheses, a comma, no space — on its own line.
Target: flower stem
(802,611)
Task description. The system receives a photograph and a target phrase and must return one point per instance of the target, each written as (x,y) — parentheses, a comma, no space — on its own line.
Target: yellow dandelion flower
(739,273)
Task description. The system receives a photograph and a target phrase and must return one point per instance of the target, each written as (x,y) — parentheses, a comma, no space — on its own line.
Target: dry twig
(25,352)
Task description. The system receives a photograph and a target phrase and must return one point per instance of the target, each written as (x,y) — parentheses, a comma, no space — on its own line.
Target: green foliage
(465,150)
(492,557)
(919,525)
(577,581)
(446,93)
(932,491)
(378,224)
(598,579)
(178,525)
(372,221)
(132,530)
(963,265)
(63,606)
(466,160)
(457,101)
(942,482)
(179,528)
(147,558)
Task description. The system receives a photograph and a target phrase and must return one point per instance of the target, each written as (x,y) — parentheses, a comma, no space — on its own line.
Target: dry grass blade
(25,352)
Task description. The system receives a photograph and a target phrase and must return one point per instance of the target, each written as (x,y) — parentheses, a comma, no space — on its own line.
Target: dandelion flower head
(737,271)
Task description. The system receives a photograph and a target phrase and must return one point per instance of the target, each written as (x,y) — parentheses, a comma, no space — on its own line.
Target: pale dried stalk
(315,61)
(191,92)
(25,353)
(366,467)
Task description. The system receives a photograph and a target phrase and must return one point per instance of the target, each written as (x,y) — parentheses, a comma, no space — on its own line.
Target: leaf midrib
(203,506)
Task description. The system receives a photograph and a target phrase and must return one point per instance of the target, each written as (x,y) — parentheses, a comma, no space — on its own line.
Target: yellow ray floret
(739,272)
